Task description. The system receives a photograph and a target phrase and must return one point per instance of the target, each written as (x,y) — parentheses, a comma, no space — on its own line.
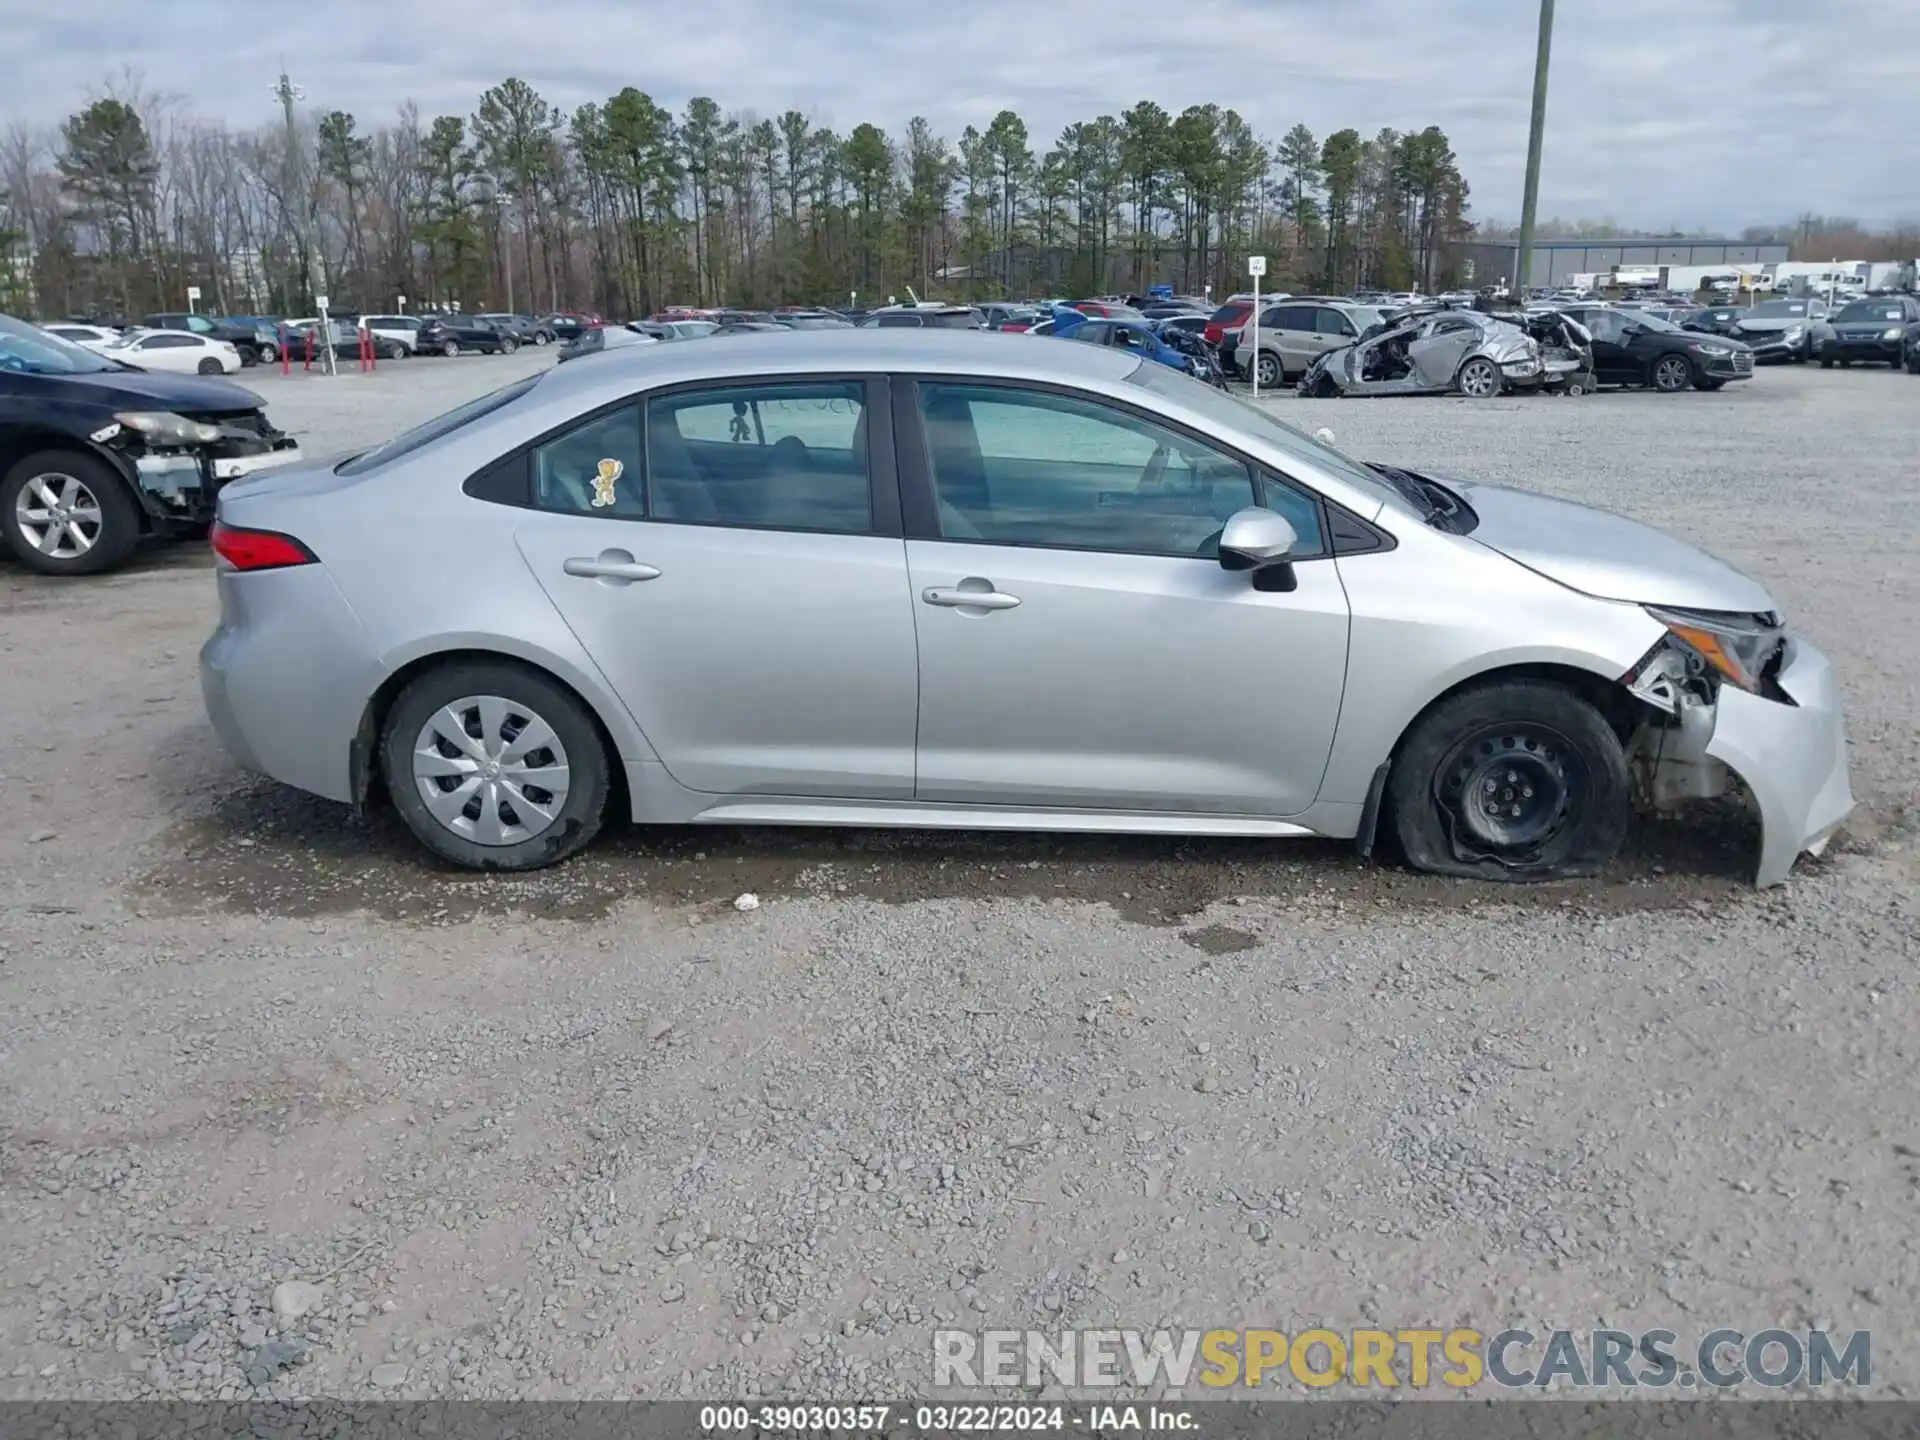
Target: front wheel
(1826,362)
(269,354)
(509,345)
(1479,378)
(1705,384)
(450,349)
(1672,374)
(1913,364)
(540,337)
(494,766)
(65,513)
(1513,780)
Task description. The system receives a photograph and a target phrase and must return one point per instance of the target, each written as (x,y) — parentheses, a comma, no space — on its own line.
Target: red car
(1229,316)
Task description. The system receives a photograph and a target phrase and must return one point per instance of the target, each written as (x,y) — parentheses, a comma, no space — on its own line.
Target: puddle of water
(271,851)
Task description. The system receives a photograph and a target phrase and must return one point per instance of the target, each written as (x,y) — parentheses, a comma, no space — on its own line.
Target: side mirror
(1259,540)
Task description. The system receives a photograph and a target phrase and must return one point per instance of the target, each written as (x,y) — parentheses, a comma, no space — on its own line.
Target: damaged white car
(1435,353)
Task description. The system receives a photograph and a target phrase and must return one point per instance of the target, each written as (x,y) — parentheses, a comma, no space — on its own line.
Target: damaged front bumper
(1790,753)
(179,484)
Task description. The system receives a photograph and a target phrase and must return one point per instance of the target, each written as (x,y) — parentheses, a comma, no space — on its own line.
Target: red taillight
(259,549)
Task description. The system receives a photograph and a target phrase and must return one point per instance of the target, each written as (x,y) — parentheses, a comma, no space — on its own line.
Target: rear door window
(780,456)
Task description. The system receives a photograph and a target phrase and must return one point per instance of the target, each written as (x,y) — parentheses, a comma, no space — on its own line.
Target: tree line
(625,206)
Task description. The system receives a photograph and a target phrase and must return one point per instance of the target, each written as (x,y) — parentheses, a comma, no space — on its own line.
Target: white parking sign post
(1256,267)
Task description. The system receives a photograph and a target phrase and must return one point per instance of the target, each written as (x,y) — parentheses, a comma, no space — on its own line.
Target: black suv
(1872,331)
(256,343)
(95,454)
(451,334)
(523,328)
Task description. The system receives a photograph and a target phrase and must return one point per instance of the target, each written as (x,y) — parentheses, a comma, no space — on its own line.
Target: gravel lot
(597,1133)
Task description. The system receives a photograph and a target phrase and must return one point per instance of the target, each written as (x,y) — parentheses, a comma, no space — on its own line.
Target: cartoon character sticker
(606,473)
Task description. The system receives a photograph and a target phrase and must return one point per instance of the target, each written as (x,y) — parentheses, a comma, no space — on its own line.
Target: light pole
(1523,266)
(506,244)
(287,92)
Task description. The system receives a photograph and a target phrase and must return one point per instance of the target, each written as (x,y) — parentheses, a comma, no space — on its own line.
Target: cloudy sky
(1714,113)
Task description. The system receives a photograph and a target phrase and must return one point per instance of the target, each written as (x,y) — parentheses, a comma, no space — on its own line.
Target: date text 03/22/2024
(945,1419)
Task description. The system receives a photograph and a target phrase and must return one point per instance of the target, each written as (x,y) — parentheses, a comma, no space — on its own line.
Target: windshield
(1233,413)
(28,350)
(1871,310)
(440,425)
(1779,308)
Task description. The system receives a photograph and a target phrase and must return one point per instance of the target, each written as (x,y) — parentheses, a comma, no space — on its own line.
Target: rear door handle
(958,599)
(610,565)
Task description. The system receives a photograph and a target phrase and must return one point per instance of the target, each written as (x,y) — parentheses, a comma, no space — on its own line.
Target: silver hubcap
(491,770)
(1477,380)
(58,515)
(1269,370)
(1673,374)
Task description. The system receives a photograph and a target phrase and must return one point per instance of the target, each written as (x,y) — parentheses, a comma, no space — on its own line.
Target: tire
(269,354)
(509,345)
(1826,362)
(1670,374)
(211,366)
(1542,749)
(111,534)
(1703,383)
(451,349)
(1478,378)
(1913,364)
(421,750)
(540,337)
(1271,372)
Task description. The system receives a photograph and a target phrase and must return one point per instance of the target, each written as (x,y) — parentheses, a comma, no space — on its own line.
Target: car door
(1440,346)
(1612,362)
(1332,329)
(745,589)
(1289,331)
(1080,645)
(167,351)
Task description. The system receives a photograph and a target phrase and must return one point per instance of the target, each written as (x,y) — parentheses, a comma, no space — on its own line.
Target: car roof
(987,353)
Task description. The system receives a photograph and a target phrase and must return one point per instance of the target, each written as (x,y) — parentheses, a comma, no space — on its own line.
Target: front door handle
(961,598)
(616,565)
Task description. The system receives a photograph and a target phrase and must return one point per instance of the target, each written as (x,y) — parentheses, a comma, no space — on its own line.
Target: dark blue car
(1133,335)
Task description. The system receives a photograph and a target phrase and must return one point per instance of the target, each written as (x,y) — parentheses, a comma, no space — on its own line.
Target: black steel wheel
(1514,780)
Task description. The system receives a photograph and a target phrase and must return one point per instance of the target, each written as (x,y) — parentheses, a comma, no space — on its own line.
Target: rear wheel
(1513,780)
(1268,366)
(1478,378)
(1672,374)
(494,766)
(65,513)
(210,366)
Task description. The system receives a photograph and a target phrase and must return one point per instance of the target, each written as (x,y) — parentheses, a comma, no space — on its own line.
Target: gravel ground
(599,1133)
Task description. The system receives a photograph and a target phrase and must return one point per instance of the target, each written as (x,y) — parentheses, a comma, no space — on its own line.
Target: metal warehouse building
(1556,262)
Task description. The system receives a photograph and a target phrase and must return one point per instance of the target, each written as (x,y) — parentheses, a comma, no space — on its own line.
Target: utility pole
(287,92)
(1535,134)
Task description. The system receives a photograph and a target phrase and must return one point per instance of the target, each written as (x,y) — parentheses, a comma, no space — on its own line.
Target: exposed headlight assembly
(1737,649)
(163,427)
(1794,332)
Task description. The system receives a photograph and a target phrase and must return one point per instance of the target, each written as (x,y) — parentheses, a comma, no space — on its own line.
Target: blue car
(1134,335)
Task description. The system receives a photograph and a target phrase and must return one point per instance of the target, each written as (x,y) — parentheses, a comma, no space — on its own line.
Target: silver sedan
(954,579)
